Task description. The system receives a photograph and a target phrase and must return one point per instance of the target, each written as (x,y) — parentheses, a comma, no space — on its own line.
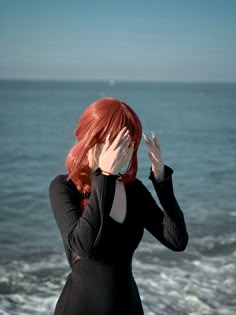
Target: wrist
(104,172)
(159,176)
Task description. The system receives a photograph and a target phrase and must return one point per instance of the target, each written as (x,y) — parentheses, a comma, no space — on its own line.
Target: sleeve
(82,233)
(167,226)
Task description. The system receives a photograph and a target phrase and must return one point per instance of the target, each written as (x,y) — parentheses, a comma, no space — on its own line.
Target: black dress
(101,281)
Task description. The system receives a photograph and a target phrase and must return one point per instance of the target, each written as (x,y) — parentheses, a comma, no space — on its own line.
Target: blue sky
(168,40)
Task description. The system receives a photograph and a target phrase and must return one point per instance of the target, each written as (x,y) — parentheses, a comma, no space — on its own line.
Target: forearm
(82,232)
(174,227)
(104,186)
(89,230)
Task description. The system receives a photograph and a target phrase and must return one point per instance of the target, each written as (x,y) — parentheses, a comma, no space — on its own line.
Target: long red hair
(105,116)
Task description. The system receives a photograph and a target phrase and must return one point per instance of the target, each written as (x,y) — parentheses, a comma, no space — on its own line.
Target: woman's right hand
(114,156)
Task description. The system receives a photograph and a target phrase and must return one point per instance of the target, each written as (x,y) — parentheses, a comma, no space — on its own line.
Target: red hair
(105,116)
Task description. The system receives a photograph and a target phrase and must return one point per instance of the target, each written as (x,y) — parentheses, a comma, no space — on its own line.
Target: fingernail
(145,137)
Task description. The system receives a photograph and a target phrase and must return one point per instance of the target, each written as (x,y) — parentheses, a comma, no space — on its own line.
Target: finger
(145,137)
(106,144)
(148,139)
(124,143)
(107,140)
(153,148)
(154,145)
(153,161)
(149,143)
(131,148)
(150,155)
(156,154)
(124,149)
(129,153)
(155,158)
(155,139)
(132,143)
(120,135)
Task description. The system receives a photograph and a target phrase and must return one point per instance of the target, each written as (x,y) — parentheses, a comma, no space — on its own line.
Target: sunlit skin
(154,153)
(123,139)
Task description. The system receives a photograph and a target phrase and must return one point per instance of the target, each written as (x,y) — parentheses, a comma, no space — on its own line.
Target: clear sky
(174,40)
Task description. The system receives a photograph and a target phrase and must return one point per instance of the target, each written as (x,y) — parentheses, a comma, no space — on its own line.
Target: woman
(101,213)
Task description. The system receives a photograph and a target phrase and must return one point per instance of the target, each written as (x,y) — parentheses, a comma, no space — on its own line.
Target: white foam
(188,286)
(29,304)
(170,285)
(39,289)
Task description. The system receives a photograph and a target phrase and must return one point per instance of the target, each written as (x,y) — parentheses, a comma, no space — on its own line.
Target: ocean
(195,125)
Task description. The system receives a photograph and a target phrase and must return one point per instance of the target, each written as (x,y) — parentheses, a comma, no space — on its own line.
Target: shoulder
(138,185)
(61,181)
(58,179)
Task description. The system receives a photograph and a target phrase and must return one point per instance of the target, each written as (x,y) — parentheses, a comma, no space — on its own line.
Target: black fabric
(101,281)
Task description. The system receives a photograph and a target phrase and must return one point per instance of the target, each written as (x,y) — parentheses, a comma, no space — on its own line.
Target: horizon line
(114,81)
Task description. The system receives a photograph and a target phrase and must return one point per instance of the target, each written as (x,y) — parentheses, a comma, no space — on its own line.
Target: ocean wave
(192,284)
(187,283)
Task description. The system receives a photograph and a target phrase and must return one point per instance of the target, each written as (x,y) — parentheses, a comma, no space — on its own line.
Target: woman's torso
(104,283)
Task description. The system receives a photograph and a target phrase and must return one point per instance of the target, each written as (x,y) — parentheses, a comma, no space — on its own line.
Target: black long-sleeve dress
(101,281)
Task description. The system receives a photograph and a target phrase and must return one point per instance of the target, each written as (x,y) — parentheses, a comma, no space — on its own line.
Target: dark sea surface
(196,128)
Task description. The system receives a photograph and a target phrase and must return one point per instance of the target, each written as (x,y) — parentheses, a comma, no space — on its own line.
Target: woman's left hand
(155,156)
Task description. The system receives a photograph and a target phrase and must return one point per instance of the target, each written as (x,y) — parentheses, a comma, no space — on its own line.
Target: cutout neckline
(126,213)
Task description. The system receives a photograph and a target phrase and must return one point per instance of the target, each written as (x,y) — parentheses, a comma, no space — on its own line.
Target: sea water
(196,129)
